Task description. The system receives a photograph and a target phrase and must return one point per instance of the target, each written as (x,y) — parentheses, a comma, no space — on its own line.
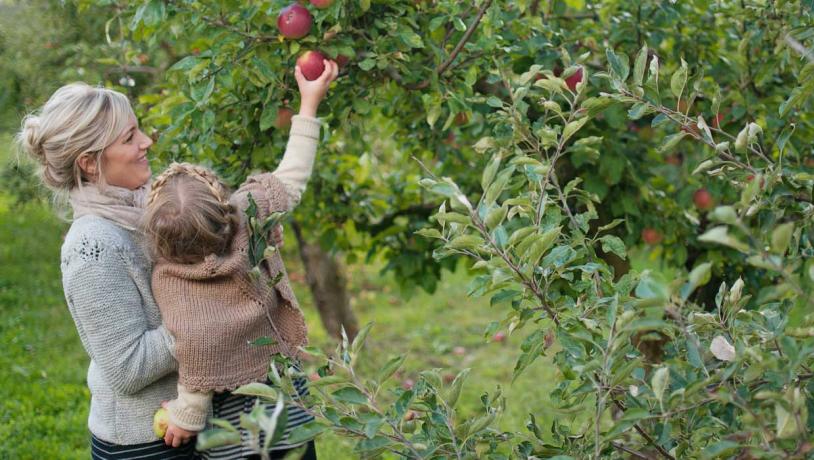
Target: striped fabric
(228,406)
(102,450)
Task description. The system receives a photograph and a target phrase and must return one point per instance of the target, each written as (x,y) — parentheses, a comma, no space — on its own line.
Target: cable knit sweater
(106,280)
(215,307)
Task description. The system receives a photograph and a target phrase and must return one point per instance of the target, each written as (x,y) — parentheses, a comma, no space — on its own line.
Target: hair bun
(30,138)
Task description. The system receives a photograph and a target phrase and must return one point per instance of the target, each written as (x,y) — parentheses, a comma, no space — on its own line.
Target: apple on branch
(294,21)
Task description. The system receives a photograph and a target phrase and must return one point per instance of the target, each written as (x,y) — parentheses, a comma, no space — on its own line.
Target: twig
(799,47)
(630,451)
(446,64)
(644,434)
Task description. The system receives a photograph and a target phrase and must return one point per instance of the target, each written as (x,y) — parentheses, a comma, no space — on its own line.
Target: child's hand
(176,436)
(312,92)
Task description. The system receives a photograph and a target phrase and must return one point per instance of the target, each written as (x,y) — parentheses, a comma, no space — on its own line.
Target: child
(209,300)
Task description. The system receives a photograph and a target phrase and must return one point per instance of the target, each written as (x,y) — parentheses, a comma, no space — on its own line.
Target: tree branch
(644,434)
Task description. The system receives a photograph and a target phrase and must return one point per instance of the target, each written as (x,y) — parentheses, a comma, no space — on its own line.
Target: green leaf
(659,383)
(679,80)
(489,172)
(639,66)
(257,389)
(495,102)
(268,116)
(390,368)
(210,439)
(720,449)
(619,64)
(614,244)
(466,242)
(720,235)
(367,64)
(781,237)
(379,442)
(572,128)
(305,432)
(361,336)
(350,395)
(455,389)
(411,39)
(671,141)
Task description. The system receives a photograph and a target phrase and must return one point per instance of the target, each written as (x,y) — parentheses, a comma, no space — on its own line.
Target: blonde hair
(188,215)
(77,120)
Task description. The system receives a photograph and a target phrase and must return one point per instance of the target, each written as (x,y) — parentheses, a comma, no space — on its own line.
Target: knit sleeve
(297,164)
(108,310)
(190,409)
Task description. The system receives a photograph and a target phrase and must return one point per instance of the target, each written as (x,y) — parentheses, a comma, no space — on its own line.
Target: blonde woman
(90,148)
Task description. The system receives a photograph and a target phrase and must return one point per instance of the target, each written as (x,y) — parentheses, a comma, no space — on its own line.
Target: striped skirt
(103,450)
(228,406)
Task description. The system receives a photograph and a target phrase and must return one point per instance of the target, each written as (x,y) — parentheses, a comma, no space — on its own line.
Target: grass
(44,400)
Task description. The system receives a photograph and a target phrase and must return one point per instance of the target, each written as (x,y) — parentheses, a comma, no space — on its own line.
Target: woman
(91,148)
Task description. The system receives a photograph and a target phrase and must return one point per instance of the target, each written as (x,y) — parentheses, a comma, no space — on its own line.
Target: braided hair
(188,215)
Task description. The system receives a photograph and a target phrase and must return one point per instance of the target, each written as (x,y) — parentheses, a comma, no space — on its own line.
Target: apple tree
(545,142)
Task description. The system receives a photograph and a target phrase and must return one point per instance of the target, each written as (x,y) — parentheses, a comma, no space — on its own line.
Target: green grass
(45,401)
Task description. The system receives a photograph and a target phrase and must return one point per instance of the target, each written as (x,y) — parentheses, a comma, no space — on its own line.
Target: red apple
(407,384)
(312,65)
(461,118)
(703,199)
(342,61)
(322,4)
(294,21)
(651,236)
(410,415)
(574,79)
(283,120)
(448,378)
(499,336)
(313,377)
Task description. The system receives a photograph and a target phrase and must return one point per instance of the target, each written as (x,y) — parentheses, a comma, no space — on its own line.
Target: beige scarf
(120,205)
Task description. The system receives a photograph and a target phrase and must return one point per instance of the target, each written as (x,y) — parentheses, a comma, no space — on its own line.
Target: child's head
(188,215)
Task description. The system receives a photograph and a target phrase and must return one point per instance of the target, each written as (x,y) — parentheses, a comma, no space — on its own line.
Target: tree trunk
(326,279)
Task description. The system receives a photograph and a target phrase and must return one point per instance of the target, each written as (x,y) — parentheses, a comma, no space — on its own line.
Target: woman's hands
(312,92)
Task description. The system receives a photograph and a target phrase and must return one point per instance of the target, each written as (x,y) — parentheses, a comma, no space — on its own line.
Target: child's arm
(298,161)
(187,412)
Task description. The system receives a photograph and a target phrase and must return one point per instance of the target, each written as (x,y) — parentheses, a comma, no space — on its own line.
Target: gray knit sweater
(106,279)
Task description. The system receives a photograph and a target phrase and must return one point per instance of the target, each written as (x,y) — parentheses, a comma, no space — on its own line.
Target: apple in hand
(294,21)
(312,64)
(161,420)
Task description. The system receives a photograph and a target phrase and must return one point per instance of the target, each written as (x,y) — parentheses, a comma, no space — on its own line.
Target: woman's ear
(87,163)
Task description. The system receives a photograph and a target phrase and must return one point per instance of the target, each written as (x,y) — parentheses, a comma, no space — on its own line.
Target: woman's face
(124,162)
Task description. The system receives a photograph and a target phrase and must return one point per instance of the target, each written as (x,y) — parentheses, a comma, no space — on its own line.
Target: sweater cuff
(302,125)
(190,410)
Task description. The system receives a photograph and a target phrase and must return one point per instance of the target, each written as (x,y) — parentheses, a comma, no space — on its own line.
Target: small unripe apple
(499,336)
(294,21)
(161,420)
(322,4)
(651,236)
(283,120)
(574,79)
(703,199)
(312,64)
